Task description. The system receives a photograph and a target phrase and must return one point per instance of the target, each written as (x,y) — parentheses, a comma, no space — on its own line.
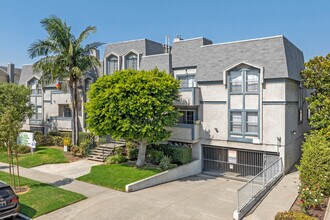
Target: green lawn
(42,198)
(43,155)
(117,176)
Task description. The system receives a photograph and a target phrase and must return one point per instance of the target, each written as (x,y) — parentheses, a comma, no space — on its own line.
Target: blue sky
(305,23)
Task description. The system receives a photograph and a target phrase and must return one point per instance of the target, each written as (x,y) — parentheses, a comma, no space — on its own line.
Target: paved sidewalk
(69,170)
(86,189)
(279,199)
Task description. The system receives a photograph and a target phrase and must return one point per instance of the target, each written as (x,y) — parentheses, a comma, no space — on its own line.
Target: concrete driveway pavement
(196,197)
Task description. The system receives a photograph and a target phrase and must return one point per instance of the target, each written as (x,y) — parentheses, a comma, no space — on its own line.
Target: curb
(327,212)
(24,216)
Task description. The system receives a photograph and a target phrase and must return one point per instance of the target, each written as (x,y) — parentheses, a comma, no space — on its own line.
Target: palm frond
(84,34)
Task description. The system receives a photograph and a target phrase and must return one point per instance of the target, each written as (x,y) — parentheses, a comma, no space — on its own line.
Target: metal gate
(236,163)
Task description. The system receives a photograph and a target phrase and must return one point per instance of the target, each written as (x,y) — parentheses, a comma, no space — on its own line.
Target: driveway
(196,197)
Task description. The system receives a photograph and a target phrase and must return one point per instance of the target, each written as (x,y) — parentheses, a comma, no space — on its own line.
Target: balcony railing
(190,96)
(185,133)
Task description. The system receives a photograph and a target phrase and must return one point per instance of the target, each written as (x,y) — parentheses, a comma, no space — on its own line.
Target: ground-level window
(64,111)
(187,117)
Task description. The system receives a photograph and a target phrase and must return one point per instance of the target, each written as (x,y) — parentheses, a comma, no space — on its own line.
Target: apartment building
(9,73)
(242,102)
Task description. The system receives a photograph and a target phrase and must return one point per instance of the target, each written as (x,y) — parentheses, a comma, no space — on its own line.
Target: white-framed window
(252,81)
(242,122)
(236,121)
(236,82)
(112,64)
(187,117)
(131,61)
(187,80)
(251,122)
(64,111)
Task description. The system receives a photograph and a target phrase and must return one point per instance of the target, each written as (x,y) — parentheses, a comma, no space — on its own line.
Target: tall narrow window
(252,122)
(236,122)
(131,61)
(236,82)
(112,64)
(252,81)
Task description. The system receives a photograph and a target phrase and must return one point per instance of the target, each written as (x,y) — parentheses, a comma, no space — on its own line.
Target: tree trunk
(142,153)
(76,120)
(9,164)
(73,125)
(17,168)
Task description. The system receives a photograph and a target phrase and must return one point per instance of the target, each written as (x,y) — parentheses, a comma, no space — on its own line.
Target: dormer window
(131,61)
(112,64)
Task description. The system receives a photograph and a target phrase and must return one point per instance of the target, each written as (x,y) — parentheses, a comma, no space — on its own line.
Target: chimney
(96,53)
(11,72)
(177,38)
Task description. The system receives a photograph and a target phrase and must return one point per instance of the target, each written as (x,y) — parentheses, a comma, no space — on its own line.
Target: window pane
(182,119)
(236,121)
(186,80)
(252,82)
(67,111)
(187,117)
(131,61)
(252,122)
(190,117)
(235,81)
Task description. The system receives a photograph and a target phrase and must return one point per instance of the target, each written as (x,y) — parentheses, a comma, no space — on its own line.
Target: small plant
(155,156)
(165,163)
(115,159)
(132,151)
(21,149)
(67,141)
(293,216)
(83,147)
(43,140)
(310,198)
(119,151)
(74,150)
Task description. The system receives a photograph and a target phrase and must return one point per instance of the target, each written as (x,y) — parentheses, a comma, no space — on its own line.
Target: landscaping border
(189,169)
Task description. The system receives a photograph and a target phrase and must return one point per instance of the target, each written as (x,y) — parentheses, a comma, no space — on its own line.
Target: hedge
(293,216)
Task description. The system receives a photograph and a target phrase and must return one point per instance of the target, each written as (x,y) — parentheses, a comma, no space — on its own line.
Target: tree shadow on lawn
(27,210)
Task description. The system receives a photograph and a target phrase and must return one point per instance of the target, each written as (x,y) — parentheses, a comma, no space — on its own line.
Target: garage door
(235,163)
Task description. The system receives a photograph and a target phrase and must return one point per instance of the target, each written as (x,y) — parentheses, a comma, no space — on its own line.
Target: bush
(84,146)
(115,159)
(21,149)
(66,134)
(43,140)
(57,140)
(74,150)
(155,156)
(310,198)
(293,216)
(54,133)
(165,163)
(67,141)
(179,154)
(85,136)
(131,150)
(314,169)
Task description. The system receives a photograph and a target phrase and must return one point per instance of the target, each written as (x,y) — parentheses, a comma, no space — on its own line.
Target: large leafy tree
(317,78)
(64,57)
(14,109)
(133,105)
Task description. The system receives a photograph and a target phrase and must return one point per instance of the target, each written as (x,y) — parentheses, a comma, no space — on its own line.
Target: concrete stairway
(101,152)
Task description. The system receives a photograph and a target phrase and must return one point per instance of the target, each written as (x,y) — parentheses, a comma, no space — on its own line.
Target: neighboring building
(10,73)
(53,105)
(242,102)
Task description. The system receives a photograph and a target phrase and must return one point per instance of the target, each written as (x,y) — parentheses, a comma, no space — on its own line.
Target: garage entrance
(236,163)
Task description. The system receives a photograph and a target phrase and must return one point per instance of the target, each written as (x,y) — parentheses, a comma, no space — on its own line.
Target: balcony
(190,96)
(185,133)
(61,123)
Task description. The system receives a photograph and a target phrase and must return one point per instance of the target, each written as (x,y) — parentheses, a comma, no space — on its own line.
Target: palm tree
(63,57)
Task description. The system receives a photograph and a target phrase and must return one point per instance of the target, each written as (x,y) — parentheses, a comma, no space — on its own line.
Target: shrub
(155,156)
(21,149)
(310,198)
(314,169)
(57,140)
(179,154)
(293,216)
(74,150)
(66,134)
(54,133)
(84,146)
(85,136)
(67,141)
(43,140)
(115,159)
(165,163)
(131,150)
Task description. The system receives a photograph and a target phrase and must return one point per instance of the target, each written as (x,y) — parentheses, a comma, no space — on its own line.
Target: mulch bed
(68,155)
(318,213)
